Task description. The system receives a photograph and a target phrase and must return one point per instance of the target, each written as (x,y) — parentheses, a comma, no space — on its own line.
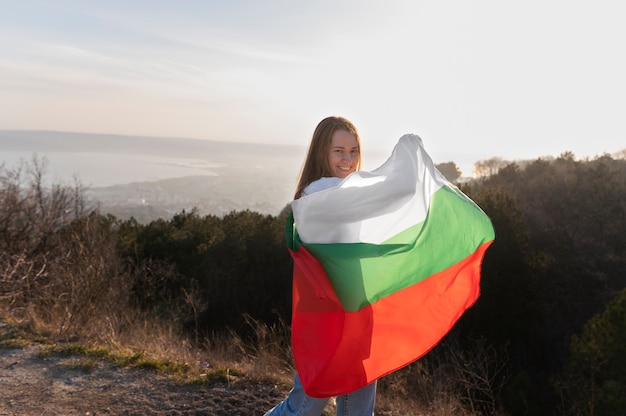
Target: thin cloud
(194,36)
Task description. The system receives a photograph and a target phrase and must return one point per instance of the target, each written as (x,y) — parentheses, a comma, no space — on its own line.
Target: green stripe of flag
(363,273)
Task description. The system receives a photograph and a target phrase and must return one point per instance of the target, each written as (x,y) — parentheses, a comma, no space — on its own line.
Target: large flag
(385,263)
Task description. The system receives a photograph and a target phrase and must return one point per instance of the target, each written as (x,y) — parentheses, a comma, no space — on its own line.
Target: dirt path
(31,385)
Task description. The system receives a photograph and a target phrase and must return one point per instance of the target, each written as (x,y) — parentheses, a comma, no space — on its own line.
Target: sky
(475,79)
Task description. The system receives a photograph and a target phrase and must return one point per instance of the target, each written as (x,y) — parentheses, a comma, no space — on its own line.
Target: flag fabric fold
(385,263)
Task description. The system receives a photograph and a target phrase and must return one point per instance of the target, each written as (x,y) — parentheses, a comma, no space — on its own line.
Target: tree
(596,366)
(489,167)
(572,215)
(239,265)
(450,170)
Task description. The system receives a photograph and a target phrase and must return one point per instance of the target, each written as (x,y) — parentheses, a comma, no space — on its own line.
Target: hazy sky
(475,79)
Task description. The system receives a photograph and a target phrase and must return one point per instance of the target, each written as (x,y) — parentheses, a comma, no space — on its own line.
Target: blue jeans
(298,403)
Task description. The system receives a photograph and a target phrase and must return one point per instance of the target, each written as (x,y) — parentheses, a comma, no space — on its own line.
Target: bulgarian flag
(385,263)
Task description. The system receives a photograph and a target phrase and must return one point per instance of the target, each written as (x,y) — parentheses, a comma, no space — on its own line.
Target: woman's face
(343,156)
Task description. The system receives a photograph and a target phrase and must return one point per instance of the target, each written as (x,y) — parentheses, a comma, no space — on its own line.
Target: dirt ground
(59,385)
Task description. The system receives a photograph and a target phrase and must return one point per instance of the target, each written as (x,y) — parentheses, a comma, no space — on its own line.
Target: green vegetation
(595,368)
(15,334)
(547,335)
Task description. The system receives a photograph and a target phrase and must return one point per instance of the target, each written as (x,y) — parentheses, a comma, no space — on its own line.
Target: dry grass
(157,346)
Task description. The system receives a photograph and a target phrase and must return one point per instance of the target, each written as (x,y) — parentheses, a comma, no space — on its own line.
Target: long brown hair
(316,163)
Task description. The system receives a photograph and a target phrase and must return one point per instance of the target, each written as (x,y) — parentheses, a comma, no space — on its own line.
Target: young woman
(334,153)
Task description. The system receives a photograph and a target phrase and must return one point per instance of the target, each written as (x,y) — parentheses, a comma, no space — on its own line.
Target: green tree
(236,265)
(572,214)
(596,366)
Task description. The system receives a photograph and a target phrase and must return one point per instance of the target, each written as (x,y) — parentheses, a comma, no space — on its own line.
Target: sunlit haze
(475,80)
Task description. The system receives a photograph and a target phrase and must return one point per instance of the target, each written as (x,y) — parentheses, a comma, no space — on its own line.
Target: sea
(106,169)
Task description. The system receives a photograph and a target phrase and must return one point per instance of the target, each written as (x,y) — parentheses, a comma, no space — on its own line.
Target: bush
(59,265)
